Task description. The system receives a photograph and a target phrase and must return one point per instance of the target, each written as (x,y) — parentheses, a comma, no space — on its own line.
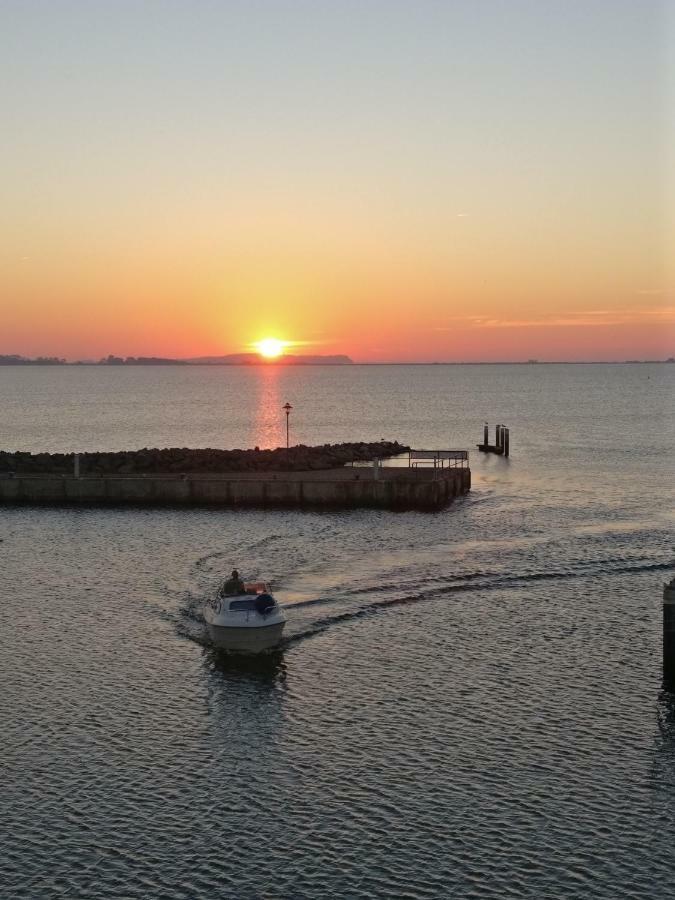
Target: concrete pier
(379,487)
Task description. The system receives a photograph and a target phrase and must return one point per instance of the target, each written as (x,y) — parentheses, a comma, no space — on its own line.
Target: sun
(270,348)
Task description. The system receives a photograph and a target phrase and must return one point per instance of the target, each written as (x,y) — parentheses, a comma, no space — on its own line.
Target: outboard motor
(264,604)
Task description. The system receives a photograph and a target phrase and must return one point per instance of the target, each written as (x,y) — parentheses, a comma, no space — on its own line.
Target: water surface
(467,703)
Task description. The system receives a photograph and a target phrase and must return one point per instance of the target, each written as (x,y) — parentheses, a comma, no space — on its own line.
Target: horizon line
(178,361)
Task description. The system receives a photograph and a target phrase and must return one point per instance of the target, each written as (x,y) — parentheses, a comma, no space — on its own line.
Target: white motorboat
(251,621)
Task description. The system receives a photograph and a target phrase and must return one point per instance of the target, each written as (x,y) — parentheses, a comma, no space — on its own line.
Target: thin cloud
(586,318)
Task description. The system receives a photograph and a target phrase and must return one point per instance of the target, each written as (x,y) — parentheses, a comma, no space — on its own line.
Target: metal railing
(438,458)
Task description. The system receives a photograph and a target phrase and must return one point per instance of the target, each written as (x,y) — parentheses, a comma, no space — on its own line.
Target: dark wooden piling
(669,633)
(501,444)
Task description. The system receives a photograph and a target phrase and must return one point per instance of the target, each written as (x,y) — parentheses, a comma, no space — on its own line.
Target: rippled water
(467,703)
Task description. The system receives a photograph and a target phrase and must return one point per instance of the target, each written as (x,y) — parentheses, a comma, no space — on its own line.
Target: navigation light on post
(287,409)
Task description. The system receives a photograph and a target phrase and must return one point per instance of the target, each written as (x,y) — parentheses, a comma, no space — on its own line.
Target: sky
(396,181)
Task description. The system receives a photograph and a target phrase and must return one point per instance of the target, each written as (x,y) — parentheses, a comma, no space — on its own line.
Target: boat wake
(329,571)
(319,626)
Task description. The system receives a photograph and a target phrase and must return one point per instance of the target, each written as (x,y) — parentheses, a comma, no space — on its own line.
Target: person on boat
(234,585)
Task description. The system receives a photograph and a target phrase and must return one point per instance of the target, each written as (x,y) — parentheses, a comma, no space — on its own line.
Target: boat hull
(246,639)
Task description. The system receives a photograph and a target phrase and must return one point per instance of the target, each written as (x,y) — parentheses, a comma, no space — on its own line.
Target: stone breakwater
(302,477)
(182,460)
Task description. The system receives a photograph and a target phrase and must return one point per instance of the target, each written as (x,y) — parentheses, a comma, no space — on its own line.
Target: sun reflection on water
(269,424)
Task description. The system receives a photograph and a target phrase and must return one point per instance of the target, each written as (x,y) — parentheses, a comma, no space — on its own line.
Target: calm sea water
(468,704)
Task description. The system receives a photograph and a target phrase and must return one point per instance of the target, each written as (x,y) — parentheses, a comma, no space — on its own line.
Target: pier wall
(340,488)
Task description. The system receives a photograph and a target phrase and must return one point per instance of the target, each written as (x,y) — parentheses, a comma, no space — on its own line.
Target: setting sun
(270,348)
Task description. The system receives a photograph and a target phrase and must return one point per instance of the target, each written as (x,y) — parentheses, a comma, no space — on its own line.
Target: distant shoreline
(283,365)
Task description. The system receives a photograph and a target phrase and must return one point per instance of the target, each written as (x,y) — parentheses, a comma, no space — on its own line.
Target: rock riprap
(176,460)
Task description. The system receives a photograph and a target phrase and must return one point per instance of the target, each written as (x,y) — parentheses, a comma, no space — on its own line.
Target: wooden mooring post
(501,444)
(669,633)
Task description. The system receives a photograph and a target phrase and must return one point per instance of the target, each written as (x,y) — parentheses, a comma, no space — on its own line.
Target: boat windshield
(246,604)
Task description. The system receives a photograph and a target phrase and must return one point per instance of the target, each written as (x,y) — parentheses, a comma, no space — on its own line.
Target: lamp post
(287,409)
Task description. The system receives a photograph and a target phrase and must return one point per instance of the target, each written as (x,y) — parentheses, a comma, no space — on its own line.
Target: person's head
(235,574)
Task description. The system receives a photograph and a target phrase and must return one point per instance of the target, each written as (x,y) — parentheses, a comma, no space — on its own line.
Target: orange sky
(442,183)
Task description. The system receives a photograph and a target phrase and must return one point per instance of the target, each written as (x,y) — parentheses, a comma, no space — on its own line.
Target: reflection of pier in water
(662,775)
